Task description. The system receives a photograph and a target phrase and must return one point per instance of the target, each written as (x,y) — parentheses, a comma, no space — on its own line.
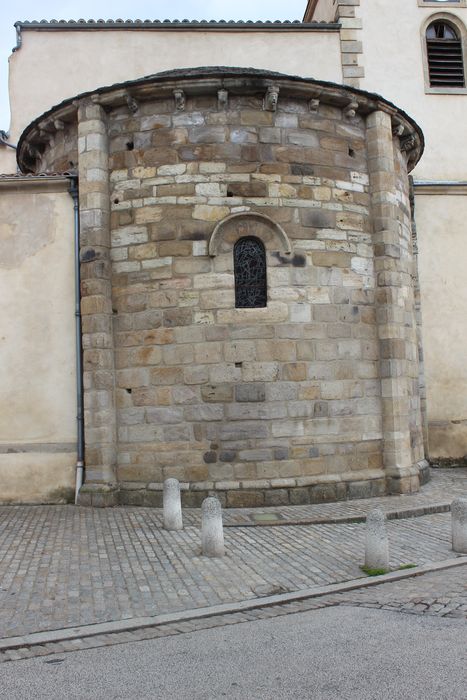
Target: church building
(232,253)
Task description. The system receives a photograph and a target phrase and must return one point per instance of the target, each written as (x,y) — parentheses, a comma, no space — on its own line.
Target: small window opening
(250,273)
(445,60)
(130,145)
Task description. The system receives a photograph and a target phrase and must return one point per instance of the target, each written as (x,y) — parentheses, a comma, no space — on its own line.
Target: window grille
(445,60)
(250,273)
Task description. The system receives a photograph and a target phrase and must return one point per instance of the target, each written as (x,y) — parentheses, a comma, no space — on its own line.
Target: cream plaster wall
(7,161)
(393,62)
(35,477)
(393,58)
(77,61)
(442,263)
(37,349)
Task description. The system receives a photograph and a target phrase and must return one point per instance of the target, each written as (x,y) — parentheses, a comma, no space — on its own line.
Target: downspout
(4,140)
(79,354)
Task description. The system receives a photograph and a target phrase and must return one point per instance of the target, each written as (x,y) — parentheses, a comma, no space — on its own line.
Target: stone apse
(247,287)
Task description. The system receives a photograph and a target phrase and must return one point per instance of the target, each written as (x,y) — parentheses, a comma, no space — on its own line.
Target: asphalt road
(340,653)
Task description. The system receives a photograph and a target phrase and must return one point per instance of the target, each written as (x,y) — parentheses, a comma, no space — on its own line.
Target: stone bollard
(459,525)
(172,505)
(212,533)
(376,546)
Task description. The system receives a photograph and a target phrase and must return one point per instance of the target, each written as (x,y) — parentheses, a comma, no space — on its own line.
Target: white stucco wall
(37,349)
(393,58)
(76,61)
(442,264)
(394,67)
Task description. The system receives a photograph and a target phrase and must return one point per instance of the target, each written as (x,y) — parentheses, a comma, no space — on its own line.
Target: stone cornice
(449,188)
(45,182)
(209,80)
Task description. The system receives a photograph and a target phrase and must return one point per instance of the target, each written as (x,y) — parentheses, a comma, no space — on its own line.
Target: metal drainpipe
(4,140)
(79,356)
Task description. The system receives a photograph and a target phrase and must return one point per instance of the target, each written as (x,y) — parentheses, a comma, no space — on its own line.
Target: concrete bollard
(376,546)
(212,533)
(172,505)
(459,525)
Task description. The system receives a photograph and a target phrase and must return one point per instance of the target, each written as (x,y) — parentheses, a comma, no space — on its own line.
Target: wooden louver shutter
(445,60)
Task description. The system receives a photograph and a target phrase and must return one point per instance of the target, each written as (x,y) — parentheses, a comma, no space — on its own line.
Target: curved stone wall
(61,153)
(313,397)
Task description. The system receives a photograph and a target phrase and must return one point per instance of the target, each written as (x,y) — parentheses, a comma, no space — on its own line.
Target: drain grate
(265,517)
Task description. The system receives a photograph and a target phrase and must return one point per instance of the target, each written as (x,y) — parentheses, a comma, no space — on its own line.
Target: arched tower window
(445,60)
(250,273)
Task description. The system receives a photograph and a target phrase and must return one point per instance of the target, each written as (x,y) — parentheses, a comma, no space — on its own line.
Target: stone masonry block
(250,392)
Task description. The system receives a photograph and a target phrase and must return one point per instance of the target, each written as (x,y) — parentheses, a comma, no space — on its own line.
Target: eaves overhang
(50,182)
(165,25)
(207,80)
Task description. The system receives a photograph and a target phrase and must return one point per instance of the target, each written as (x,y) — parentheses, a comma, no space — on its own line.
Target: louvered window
(445,60)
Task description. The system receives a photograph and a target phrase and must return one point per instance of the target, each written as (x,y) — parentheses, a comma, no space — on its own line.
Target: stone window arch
(444,43)
(246,243)
(236,226)
(250,273)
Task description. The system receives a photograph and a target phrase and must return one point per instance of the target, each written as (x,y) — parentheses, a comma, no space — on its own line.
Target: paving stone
(399,596)
(63,566)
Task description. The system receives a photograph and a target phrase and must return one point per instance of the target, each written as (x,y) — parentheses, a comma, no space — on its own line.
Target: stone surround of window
(460,26)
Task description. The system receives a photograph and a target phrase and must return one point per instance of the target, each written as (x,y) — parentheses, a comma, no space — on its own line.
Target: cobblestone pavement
(64,566)
(444,486)
(441,593)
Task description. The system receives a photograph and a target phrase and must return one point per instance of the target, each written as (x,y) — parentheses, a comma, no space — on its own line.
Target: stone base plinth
(405,480)
(98,495)
(244,497)
(254,494)
(425,473)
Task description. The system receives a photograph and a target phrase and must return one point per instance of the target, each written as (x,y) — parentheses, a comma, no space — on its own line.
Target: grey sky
(136,9)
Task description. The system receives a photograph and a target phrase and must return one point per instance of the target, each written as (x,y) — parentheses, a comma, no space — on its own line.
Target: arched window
(250,273)
(444,52)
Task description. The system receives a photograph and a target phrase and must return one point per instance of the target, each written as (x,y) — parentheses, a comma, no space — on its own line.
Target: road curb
(132,624)
(401,514)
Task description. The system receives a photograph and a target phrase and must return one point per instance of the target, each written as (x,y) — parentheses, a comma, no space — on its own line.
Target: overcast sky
(136,9)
